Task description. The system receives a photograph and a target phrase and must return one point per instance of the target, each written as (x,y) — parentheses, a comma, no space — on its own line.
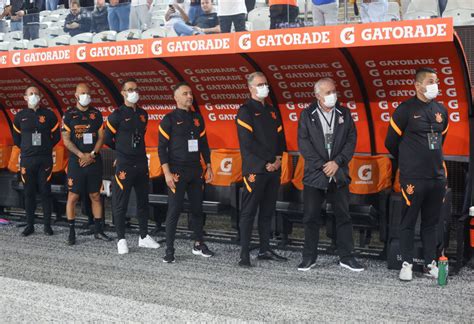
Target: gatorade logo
(157,47)
(245,42)
(226,166)
(347,35)
(365,174)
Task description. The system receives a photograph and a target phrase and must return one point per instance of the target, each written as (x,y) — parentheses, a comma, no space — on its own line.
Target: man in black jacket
(30,13)
(100,21)
(327,138)
(262,143)
(415,137)
(78,21)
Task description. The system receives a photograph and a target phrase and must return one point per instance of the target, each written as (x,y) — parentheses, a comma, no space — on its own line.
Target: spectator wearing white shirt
(373,10)
(177,11)
(232,12)
(140,15)
(4,11)
(325,12)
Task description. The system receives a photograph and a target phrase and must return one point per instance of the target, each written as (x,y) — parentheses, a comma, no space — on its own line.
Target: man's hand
(171,179)
(209,175)
(85,159)
(270,167)
(330,168)
(20,13)
(73,25)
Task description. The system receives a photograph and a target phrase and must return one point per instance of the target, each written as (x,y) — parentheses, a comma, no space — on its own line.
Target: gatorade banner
(226,166)
(370,174)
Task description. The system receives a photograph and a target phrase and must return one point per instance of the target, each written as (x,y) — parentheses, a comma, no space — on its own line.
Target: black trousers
(226,23)
(260,192)
(190,183)
(250,5)
(282,14)
(128,176)
(313,200)
(35,173)
(425,196)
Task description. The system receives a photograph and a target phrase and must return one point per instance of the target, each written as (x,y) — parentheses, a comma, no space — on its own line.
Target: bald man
(36,132)
(83,136)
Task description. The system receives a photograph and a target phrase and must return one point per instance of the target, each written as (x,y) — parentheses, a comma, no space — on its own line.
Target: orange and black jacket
(407,138)
(175,130)
(27,122)
(261,136)
(123,126)
(77,123)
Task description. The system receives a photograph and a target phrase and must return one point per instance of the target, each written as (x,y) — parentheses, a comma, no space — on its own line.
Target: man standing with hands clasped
(327,138)
(262,142)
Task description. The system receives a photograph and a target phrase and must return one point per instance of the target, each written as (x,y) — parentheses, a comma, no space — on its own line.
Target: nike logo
(127,119)
(47,169)
(258,114)
(416,116)
(74,117)
(179,123)
(23,119)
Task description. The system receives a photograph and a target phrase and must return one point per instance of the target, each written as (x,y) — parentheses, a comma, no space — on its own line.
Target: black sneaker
(28,231)
(271,255)
(306,265)
(169,258)
(202,250)
(102,236)
(351,264)
(71,240)
(48,230)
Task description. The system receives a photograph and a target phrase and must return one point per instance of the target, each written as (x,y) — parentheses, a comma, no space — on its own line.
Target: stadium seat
(156,32)
(420,9)
(105,36)
(158,21)
(260,4)
(44,13)
(54,31)
(46,25)
(38,43)
(393,12)
(129,34)
(2,37)
(63,40)
(51,18)
(14,36)
(61,12)
(84,38)
(159,7)
(4,46)
(18,45)
(462,12)
(259,18)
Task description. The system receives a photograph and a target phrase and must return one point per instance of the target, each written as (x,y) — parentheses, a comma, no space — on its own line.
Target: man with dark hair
(262,142)
(182,142)
(36,132)
(78,21)
(417,131)
(125,133)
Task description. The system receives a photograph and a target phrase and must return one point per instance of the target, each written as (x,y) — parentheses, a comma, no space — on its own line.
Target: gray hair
(253,75)
(317,85)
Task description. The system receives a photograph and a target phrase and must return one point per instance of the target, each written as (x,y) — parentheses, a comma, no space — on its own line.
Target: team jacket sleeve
(345,156)
(203,144)
(16,133)
(247,139)
(398,123)
(55,129)
(164,136)
(445,125)
(305,146)
(111,127)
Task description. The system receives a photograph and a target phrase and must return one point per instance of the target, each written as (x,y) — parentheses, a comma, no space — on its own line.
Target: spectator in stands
(232,11)
(207,23)
(78,21)
(195,10)
(325,12)
(87,5)
(99,19)
(176,13)
(5,10)
(373,10)
(16,21)
(140,15)
(30,13)
(282,11)
(119,15)
(51,5)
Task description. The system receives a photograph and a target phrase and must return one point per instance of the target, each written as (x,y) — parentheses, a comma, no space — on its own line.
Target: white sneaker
(406,273)
(122,246)
(431,270)
(148,242)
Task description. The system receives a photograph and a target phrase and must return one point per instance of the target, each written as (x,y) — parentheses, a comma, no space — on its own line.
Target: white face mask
(330,100)
(84,100)
(431,91)
(33,100)
(133,97)
(262,91)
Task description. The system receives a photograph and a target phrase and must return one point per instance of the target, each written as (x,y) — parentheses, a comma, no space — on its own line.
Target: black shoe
(169,258)
(202,250)
(102,236)
(48,230)
(245,263)
(306,265)
(71,240)
(28,230)
(270,255)
(351,264)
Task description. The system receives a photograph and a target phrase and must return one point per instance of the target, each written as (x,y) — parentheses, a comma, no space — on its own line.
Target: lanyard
(326,120)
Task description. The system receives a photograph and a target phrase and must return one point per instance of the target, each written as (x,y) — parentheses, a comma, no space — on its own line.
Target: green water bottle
(443,269)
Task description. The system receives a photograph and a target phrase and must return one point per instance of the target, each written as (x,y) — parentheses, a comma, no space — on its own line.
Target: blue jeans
(16,25)
(119,17)
(194,12)
(52,5)
(182,29)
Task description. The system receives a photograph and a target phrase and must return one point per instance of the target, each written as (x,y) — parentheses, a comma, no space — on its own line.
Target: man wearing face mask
(182,142)
(415,137)
(36,132)
(125,133)
(326,139)
(262,142)
(83,136)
